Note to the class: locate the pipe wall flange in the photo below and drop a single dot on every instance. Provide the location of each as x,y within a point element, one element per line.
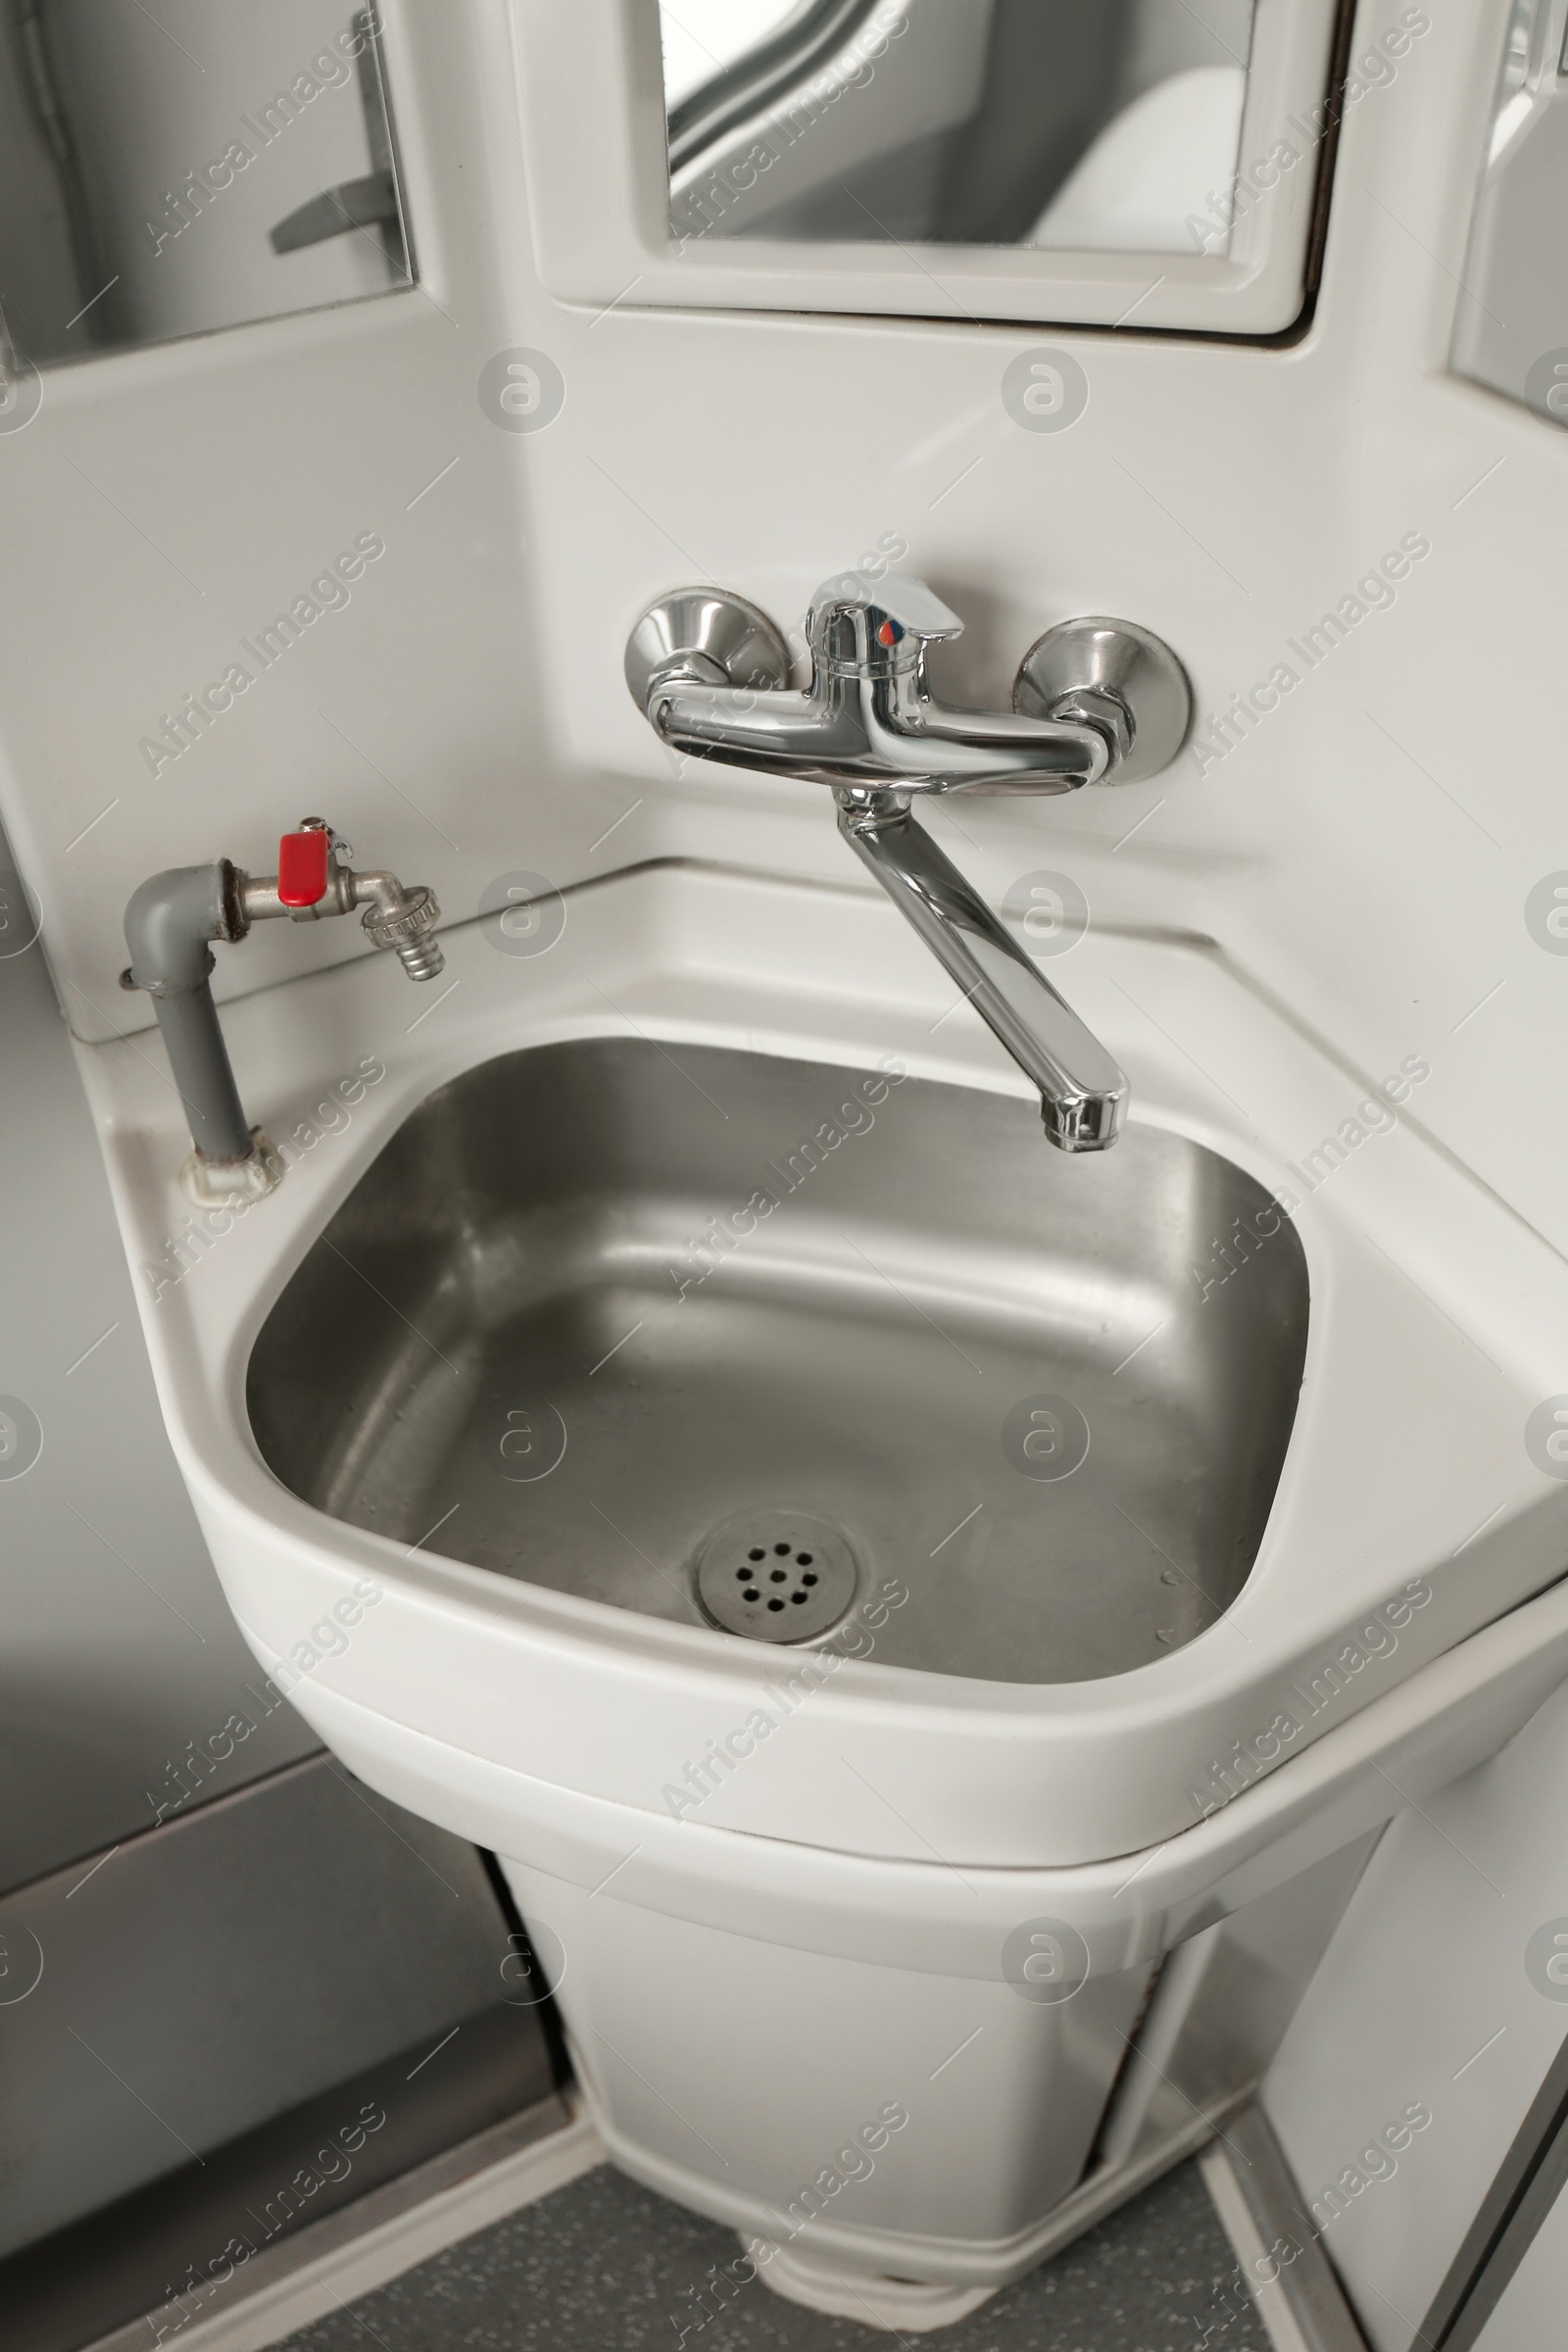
<point>1078,662</point>
<point>707,634</point>
<point>233,1182</point>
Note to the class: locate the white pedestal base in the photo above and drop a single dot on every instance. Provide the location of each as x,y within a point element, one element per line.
<point>902,2306</point>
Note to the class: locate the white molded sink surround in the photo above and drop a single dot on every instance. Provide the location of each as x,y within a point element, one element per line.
<point>1435,1330</point>
<point>863,1873</point>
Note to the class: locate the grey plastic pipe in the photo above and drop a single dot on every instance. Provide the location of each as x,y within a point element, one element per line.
<point>169,923</point>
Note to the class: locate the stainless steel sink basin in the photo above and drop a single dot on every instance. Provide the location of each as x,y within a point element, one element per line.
<point>606,1314</point>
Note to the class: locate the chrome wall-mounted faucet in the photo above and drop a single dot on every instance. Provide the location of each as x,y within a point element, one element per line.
<point>1095,702</point>
<point>169,923</point>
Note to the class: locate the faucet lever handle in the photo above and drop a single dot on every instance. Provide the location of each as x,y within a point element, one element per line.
<point>906,600</point>
<point>302,866</point>
<point>860,616</point>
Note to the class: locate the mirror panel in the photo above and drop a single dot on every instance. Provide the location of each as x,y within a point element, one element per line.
<point>166,171</point>
<point>1511,326</point>
<point>1020,122</point>
<point>703,37</point>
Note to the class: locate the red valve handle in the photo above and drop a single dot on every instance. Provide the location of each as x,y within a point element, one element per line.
<point>302,867</point>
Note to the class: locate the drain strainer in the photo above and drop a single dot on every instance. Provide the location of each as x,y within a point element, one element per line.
<point>776,1575</point>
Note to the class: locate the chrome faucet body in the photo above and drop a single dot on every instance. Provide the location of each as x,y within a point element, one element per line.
<point>1095,702</point>
<point>170,925</point>
<point>869,716</point>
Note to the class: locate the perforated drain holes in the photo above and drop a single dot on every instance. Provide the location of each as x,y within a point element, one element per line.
<point>777,1574</point>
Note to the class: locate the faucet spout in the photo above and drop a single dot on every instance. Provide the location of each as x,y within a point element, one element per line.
<point>1083,1091</point>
